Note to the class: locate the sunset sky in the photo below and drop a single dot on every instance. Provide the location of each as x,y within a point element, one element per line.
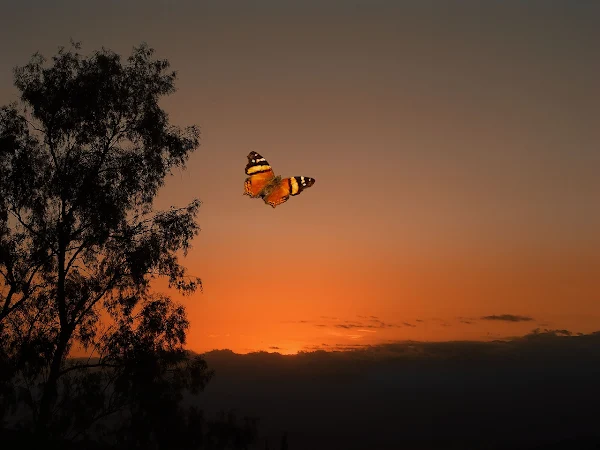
<point>455,147</point>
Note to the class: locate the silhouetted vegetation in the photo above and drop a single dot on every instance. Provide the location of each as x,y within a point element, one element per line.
<point>82,157</point>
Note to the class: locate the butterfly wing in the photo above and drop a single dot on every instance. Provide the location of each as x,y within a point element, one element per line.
<point>261,174</point>
<point>287,187</point>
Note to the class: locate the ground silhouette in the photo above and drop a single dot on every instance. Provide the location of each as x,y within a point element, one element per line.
<point>539,391</point>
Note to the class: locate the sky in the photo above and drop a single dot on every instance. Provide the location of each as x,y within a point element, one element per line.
<point>455,148</point>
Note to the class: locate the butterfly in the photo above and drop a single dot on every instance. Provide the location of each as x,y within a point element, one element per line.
<point>263,183</point>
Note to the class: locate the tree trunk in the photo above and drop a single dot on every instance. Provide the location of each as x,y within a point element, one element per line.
<point>51,387</point>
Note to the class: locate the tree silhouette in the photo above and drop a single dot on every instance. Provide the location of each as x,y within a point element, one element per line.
<point>82,156</point>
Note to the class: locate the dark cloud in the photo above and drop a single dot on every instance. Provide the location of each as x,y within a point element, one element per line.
<point>381,324</point>
<point>419,320</point>
<point>366,322</point>
<point>349,326</point>
<point>500,349</point>
<point>313,348</point>
<point>562,343</point>
<point>467,320</point>
<point>508,318</point>
<point>352,346</point>
<point>369,324</point>
<point>563,332</point>
<point>274,348</point>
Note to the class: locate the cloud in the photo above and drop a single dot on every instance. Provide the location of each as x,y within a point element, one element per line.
<point>467,320</point>
<point>274,348</point>
<point>547,345</point>
<point>546,331</point>
<point>352,346</point>
<point>371,323</point>
<point>348,326</point>
<point>508,318</point>
<point>366,324</point>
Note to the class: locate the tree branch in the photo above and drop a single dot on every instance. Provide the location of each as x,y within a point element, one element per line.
<point>5,307</point>
<point>28,227</point>
<point>87,366</point>
<point>74,257</point>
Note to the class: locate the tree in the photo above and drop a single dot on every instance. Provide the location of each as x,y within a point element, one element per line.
<point>82,157</point>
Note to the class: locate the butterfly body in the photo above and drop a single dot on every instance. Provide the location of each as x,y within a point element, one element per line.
<point>263,183</point>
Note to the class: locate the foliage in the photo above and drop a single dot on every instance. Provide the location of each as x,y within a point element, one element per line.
<point>82,157</point>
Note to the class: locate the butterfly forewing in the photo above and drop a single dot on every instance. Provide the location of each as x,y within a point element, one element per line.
<point>261,174</point>
<point>298,184</point>
<point>257,164</point>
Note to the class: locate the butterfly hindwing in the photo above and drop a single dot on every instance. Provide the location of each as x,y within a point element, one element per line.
<point>286,188</point>
<point>261,175</point>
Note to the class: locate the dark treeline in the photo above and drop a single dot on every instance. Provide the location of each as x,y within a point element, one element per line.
<point>540,391</point>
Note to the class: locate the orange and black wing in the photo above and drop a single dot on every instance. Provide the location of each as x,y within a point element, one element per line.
<point>261,174</point>
<point>287,187</point>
